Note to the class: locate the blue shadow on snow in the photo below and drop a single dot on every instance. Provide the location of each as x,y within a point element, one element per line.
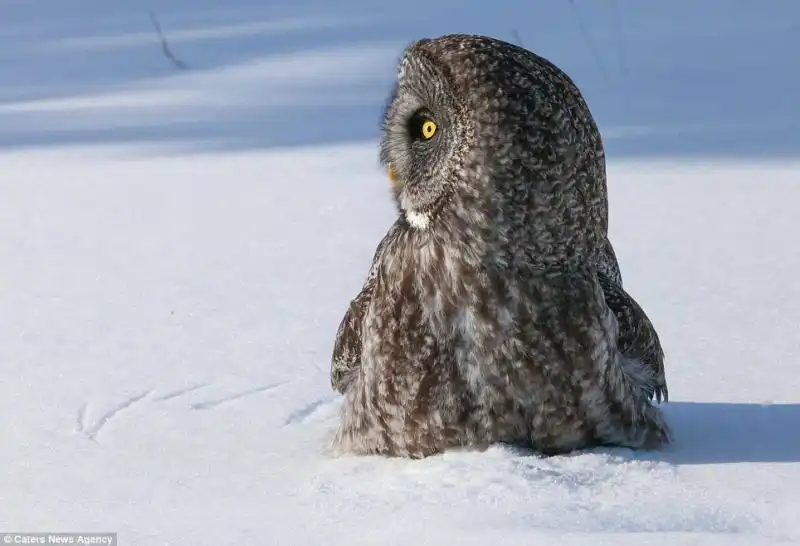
<point>681,78</point>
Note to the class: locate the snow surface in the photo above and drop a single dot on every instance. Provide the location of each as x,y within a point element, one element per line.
<point>178,248</point>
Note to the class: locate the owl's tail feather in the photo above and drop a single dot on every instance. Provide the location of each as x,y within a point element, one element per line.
<point>637,340</point>
<point>632,420</point>
<point>641,375</point>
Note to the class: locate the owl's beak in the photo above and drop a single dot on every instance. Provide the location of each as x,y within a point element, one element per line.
<point>392,175</point>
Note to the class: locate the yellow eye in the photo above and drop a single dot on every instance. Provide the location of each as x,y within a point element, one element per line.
<point>421,125</point>
<point>428,129</point>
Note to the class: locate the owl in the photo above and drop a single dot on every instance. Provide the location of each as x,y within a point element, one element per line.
<point>494,311</point>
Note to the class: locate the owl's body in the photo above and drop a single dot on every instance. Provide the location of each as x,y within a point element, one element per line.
<point>494,308</point>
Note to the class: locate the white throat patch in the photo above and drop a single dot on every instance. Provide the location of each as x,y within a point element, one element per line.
<point>418,220</point>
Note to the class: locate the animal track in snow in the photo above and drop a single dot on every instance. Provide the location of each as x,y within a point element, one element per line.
<point>180,392</point>
<point>219,401</point>
<point>91,430</point>
<point>306,413</point>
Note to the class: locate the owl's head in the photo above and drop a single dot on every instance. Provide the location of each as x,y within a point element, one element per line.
<point>423,130</point>
<point>478,126</point>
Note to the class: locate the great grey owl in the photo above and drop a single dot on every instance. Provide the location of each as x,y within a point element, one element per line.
<point>494,310</point>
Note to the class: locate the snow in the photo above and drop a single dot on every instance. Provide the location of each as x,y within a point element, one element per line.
<point>178,248</point>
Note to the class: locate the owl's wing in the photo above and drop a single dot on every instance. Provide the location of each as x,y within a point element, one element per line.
<point>346,358</point>
<point>608,263</point>
<point>637,337</point>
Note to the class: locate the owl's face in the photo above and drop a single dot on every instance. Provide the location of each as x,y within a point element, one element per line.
<point>421,132</point>
<point>495,143</point>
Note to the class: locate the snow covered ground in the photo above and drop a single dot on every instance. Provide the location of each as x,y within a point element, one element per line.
<point>178,247</point>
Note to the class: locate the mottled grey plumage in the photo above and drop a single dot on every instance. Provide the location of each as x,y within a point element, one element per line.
<point>494,309</point>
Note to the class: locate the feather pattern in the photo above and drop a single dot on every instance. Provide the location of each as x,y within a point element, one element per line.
<point>501,317</point>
